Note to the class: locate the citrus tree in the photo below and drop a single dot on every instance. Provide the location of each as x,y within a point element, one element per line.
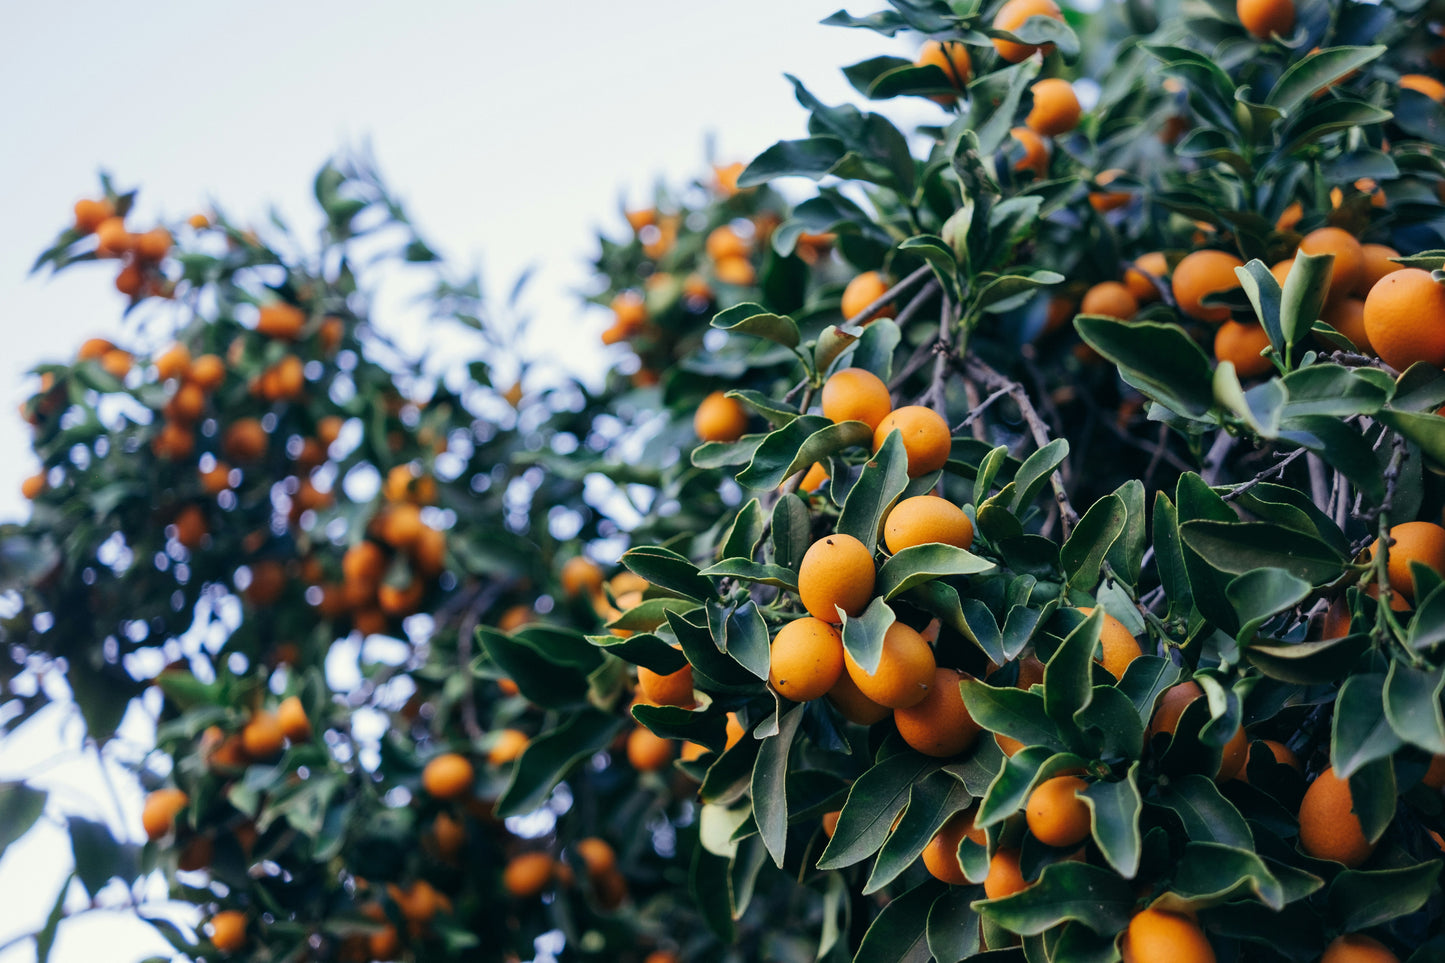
<point>1032,537</point>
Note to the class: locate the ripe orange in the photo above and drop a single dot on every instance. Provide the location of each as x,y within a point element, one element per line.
<point>940,725</point>
<point>862,291</point>
<point>926,518</point>
<point>581,574</point>
<point>1420,83</point>
<point>292,717</point>
<point>1056,107</point>
<point>116,363</point>
<point>1265,17</point>
<point>905,672</point>
<point>1347,316</point>
<point>1013,15</point>
<point>228,931</point>
<point>830,822</point>
<point>1405,318</point>
<point>1233,756</point>
<point>1140,277</point>
<point>1036,152</point>
<point>245,440</point>
<point>813,478</point>
<point>853,705</point>
<point>735,270</point>
<point>33,486</point>
<point>1171,706</point>
<point>1240,344</point>
<point>1155,936</point>
<point>1422,542</point>
<point>280,320</point>
<point>158,815</point>
<point>720,418</point>
<point>1004,876</point>
<point>92,349</point>
<point>188,404</point>
<point>1111,299</point>
<point>262,737</point>
<point>724,242</point>
<point>673,689</point>
<point>806,659</point>
<point>1377,265</point>
<point>855,394</point>
<point>510,744</point>
<point>1358,948</point>
<point>527,874</point>
<point>1282,754</point>
<point>1289,217</point>
<point>190,524</point>
<point>112,238</point>
<point>596,855</point>
<point>926,437</point>
<point>1055,814</point>
<point>952,58</point>
<point>363,563</point>
<point>89,214</point>
<point>1349,264</point>
<point>268,582</point>
<point>153,245</point>
<point>940,856</point>
<point>448,776</point>
<point>647,751</point>
<point>836,572</point>
<point>1328,826</point>
<point>128,281</point>
<point>1116,643</point>
<point>207,372</point>
<point>1203,273</point>
<point>1105,201</point>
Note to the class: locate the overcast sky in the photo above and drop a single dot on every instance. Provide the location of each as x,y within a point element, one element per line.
<point>510,129</point>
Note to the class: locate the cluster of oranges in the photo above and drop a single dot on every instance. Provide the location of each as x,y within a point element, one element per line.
<point>140,254</point>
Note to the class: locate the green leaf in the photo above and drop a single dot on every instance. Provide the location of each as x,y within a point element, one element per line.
<point>758,321</point>
<point>831,345</point>
<point>20,807</point>
<point>642,648</point>
<point>650,613</point>
<point>1239,547</point>
<point>876,345</point>
<point>1361,732</point>
<point>99,856</point>
<point>953,924</point>
<point>884,478</point>
<point>1126,555</point>
<point>792,531</point>
<point>1033,474</point>
<point>1263,292</point>
<point>1083,553</point>
<point>750,571</point>
<point>1262,594</point>
<point>1375,797</point>
<point>1308,663</point>
<point>1012,712</point>
<point>923,563</point>
<point>536,669</point>
<point>873,800</point>
<point>1305,288</point>
<point>45,939</point>
<point>930,803</point>
<point>1413,706</point>
<point>863,636</point>
<point>940,257</point>
<point>795,446</point>
<point>1207,816</point>
<point>1168,552</point>
<point>1212,873</point>
<point>776,412</point>
<point>745,532</point>
<point>770,772</point>
<point>1359,899</point>
<point>1090,895</point>
<point>1160,359</point>
<point>812,157</point>
<point>1114,808</point>
<point>550,756</point>
<point>1013,290</point>
<point>1326,116</point>
<point>668,570</point>
<point>1066,675</point>
<point>1316,71</point>
<point>899,933</point>
<point>746,638</point>
<point>1331,389</point>
<point>725,454</point>
<point>1425,429</point>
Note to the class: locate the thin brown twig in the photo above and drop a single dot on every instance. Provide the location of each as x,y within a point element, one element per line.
<point>889,295</point>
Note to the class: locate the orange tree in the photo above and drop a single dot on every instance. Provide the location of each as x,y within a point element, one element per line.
<point>974,632</point>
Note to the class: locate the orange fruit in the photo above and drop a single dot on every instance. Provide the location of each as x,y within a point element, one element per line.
<point>510,744</point>
<point>926,437</point>
<point>1203,273</point>
<point>92,349</point>
<point>724,242</point>
<point>262,737</point>
<point>1289,217</point>
<point>1155,936</point>
<point>1138,277</point>
<point>814,477</point>
<point>853,705</point>
<point>528,874</point>
<point>1265,17</point>
<point>158,815</point>
<point>806,659</point>
<point>1116,642</point>
<point>830,822</point>
<point>34,486</point>
<point>1233,756</point>
<point>940,725</point>
<point>128,281</point>
<point>673,689</point>
<point>905,671</point>
<point>862,291</point>
<point>448,776</point>
<point>245,440</point>
<point>1240,344</point>
<point>89,213</point>
<point>1055,814</point>
<point>596,855</point>
<point>580,574</point>
<point>1105,201</point>
<point>836,572</point>
<point>188,404</point>
<point>1328,826</point>
<point>1004,876</point>
<point>647,751</point>
<point>1282,754</point>
<point>735,270</point>
<point>207,372</point>
<point>1434,777</point>
<point>364,563</point>
<point>940,856</point>
<point>1405,319</point>
<point>923,519</point>
<point>1347,316</point>
<point>1111,299</point>
<point>190,525</point>
<point>1357,948</point>
<point>854,394</point>
<point>1171,706</point>
<point>952,58</point>
<point>112,238</point>
<point>280,320</point>
<point>1056,107</point>
<point>1013,15</point>
<point>1422,542</point>
<point>720,418</point>
<point>383,944</point>
<point>734,730</point>
<point>268,582</point>
<point>228,930</point>
<point>173,362</point>
<point>1420,83</point>
<point>116,363</point>
<point>1349,264</point>
<point>1377,265</point>
<point>1036,152</point>
<point>153,245</point>
<point>292,717</point>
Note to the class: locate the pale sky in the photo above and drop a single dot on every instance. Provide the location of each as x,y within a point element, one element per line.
<point>509,128</point>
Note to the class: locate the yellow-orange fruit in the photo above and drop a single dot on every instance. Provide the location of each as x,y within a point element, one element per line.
<point>862,291</point>
<point>1105,201</point>
<point>580,574</point>
<point>950,57</point>
<point>1422,84</point>
<point>923,519</point>
<point>1036,153</point>
<point>510,744</point>
<point>1377,265</point>
<point>262,737</point>
<point>647,751</point>
<point>228,930</point>
<point>173,362</point>
<point>597,855</point>
<point>940,725</point>
<point>292,717</point>
<point>905,671</point>
<point>813,478</point>
<point>1265,17</point>
<point>1203,273</point>
<point>112,237</point>
<point>1056,107</point>
<point>1328,827</point>
<point>363,563</point>
<point>1111,299</point>
<point>190,525</point>
<point>1282,754</point>
<point>837,572</point>
<point>1138,277</point>
<point>1013,15</point>
<point>1240,344</point>
<point>33,486</point>
<point>940,856</point>
<point>806,659</point>
<point>153,245</point>
<point>280,320</point>
<point>734,730</point>
<point>855,394</point>
<point>1357,948</point>
<point>830,822</point>
<point>1155,936</point>
<point>735,270</point>
<point>449,835</point>
<point>1171,707</point>
<point>90,213</point>
<point>245,440</point>
<point>1349,264</point>
<point>672,689</point>
<point>724,242</point>
<point>1405,318</point>
<point>1056,816</point>
<point>158,815</point>
<point>720,418</point>
<point>854,706</point>
<point>208,372</point>
<point>527,874</point>
<point>116,363</point>
<point>448,776</point>
<point>383,944</point>
<point>926,437</point>
<point>1233,756</point>
<point>1116,643</point>
<point>1422,542</point>
<point>1004,875</point>
<point>1347,316</point>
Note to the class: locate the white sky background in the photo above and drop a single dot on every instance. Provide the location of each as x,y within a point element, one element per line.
<point>509,128</point>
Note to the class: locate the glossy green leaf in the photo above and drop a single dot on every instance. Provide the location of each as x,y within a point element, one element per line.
<point>795,446</point>
<point>1359,899</point>
<point>1012,712</point>
<point>811,157</point>
<point>1090,895</point>
<point>1305,288</point>
<point>883,480</point>
<point>792,531</point>
<point>931,802</point>
<point>1083,553</point>
<point>1114,808</point>
<point>1207,816</point>
<point>1316,71</point>
<point>770,800</point>
<point>863,635</point>
<point>1263,593</point>
<point>550,755</point>
<point>953,924</point>
<point>1239,547</point>
<point>1212,873</point>
<point>873,800</point>
<point>923,563</point>
<point>1034,473</point>
<point>747,570</point>
<point>899,933</point>
<point>669,570</point>
<point>754,319</point>
<point>1159,358</point>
